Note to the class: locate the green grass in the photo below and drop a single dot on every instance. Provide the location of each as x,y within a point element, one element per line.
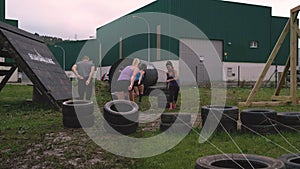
<point>24,125</point>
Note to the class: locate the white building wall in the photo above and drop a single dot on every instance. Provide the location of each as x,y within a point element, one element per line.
<point>248,71</point>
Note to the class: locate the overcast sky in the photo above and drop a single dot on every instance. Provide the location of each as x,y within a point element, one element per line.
<point>79,19</point>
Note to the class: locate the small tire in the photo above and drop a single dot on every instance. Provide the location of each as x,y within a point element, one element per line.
<point>83,122</point>
<point>175,127</point>
<point>223,161</point>
<point>73,108</point>
<point>170,118</point>
<point>261,129</point>
<point>288,128</point>
<point>123,129</point>
<point>289,118</point>
<point>228,120</point>
<point>291,161</point>
<point>229,112</point>
<point>258,116</point>
<point>121,112</point>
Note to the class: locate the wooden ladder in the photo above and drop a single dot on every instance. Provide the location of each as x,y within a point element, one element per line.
<point>6,73</point>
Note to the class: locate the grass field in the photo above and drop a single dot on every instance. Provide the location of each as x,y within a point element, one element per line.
<point>34,137</point>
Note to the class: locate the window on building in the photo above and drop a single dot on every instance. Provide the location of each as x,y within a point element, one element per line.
<point>230,72</point>
<point>254,44</point>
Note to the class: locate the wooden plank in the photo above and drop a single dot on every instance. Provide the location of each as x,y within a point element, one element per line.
<point>296,9</point>
<point>6,78</point>
<point>7,64</point>
<point>262,104</point>
<point>5,54</point>
<point>282,78</point>
<point>282,98</point>
<point>4,72</point>
<point>293,61</point>
<point>269,62</point>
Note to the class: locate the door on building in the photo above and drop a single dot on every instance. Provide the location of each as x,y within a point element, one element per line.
<point>199,56</point>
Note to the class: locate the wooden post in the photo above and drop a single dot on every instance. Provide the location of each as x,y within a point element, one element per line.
<point>282,78</point>
<point>293,59</point>
<point>269,63</point>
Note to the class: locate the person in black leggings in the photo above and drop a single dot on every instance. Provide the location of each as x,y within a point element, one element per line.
<point>172,84</point>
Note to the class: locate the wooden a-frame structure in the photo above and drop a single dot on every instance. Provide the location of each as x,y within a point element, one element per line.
<point>292,27</point>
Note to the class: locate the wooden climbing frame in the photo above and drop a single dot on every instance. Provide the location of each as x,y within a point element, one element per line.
<point>292,27</point>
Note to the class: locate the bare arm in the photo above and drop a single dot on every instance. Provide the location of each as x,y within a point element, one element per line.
<point>91,75</point>
<point>135,71</point>
<point>175,77</point>
<point>74,69</point>
<point>141,77</point>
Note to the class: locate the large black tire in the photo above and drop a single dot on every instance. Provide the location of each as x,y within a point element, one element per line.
<point>289,118</point>
<point>229,112</point>
<point>258,116</point>
<point>291,161</point>
<point>73,108</point>
<point>261,129</point>
<point>176,127</point>
<point>123,129</point>
<point>119,64</point>
<point>228,120</point>
<point>237,161</point>
<point>121,112</point>
<point>170,118</point>
<point>151,76</point>
<point>82,122</point>
<point>288,128</point>
<point>78,113</point>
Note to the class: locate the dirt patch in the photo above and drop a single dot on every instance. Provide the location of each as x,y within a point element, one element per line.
<point>70,148</point>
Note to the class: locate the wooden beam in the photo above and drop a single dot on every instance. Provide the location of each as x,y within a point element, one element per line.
<point>296,9</point>
<point>282,98</point>
<point>262,104</point>
<point>269,62</point>
<point>293,60</point>
<point>282,78</point>
<point>7,64</point>
<point>6,78</point>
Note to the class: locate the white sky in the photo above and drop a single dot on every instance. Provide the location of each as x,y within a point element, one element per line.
<point>80,18</point>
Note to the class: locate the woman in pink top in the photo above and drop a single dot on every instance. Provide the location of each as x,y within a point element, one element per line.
<point>126,79</point>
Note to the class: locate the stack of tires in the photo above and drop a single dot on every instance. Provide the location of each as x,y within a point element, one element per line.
<point>78,113</point>
<point>291,161</point>
<point>262,121</point>
<point>121,116</point>
<point>223,161</point>
<point>228,116</point>
<point>176,122</point>
<point>288,121</point>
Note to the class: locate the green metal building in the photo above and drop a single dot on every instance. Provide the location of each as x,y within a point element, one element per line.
<point>67,53</point>
<point>241,33</point>
<point>235,24</point>
<point>2,15</point>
